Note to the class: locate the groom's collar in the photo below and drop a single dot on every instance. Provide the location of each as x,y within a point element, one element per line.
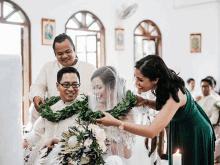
<point>68,103</point>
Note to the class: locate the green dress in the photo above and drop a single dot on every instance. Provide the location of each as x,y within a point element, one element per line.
<point>192,133</point>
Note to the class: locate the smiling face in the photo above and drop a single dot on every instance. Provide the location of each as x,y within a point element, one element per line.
<point>143,83</point>
<point>68,94</point>
<point>99,90</point>
<point>64,53</point>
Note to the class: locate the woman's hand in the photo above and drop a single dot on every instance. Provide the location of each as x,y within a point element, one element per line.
<point>50,143</point>
<point>141,101</point>
<point>109,120</point>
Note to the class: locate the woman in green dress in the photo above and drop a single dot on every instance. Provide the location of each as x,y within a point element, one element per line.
<point>190,129</point>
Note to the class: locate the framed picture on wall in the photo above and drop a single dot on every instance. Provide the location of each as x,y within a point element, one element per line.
<point>119,39</point>
<point>195,43</point>
<point>48,31</point>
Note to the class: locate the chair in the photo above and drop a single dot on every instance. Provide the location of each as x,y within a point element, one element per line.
<point>217,147</point>
<point>161,145</point>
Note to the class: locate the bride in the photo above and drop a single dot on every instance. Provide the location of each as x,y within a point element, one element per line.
<point>108,89</point>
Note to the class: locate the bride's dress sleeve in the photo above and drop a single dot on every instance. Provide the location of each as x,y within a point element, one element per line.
<point>128,139</point>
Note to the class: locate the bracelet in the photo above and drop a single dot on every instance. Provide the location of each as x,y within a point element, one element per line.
<point>121,127</point>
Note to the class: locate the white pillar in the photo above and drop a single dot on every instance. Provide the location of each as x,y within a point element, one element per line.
<point>10,110</point>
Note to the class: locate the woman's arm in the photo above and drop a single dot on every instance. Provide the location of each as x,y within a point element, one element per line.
<point>146,102</point>
<point>159,123</point>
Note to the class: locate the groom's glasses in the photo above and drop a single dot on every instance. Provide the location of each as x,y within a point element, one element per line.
<point>74,85</point>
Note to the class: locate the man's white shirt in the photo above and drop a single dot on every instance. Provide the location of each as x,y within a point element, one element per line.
<point>45,130</point>
<point>216,95</point>
<point>207,104</point>
<point>47,78</point>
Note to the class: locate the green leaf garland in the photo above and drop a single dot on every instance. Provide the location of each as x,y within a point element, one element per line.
<point>82,109</point>
<point>217,106</point>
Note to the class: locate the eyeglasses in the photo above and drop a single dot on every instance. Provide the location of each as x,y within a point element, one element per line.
<point>74,85</point>
<point>205,87</point>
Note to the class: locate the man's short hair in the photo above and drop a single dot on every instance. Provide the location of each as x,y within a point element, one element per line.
<point>62,37</point>
<point>210,77</point>
<point>207,80</point>
<point>66,70</point>
<point>189,80</point>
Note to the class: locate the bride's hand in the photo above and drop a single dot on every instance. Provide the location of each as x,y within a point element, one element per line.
<point>50,143</point>
<point>108,120</point>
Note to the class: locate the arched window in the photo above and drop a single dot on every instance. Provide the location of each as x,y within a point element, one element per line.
<point>15,39</point>
<point>147,40</point>
<point>88,33</point>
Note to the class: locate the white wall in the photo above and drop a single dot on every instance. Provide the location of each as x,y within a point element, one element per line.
<point>176,20</point>
<point>176,25</point>
<point>186,3</point>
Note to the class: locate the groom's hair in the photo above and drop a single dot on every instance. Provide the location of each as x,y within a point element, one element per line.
<point>62,37</point>
<point>66,70</point>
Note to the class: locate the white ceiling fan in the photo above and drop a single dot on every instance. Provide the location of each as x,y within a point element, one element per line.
<point>126,12</point>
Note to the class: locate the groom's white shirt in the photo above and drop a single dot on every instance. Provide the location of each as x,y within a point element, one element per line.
<point>44,129</point>
<point>45,83</point>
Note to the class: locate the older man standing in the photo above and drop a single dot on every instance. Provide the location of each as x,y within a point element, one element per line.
<point>207,101</point>
<point>44,85</point>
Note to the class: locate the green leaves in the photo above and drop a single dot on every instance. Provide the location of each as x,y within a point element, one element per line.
<point>127,104</point>
<point>84,112</point>
<point>216,105</point>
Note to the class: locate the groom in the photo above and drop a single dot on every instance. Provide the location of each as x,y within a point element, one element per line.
<point>68,83</point>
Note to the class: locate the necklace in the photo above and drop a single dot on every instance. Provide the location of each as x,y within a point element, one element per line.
<point>82,109</point>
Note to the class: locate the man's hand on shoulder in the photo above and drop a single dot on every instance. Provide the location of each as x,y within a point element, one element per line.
<point>37,101</point>
<point>198,98</point>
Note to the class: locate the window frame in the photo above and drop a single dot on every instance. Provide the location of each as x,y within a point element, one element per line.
<point>25,53</point>
<point>82,26</point>
<point>147,33</point>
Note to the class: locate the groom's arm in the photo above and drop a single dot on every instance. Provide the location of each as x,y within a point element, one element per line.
<point>35,135</point>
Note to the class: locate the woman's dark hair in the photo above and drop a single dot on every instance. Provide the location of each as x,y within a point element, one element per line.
<point>62,37</point>
<point>208,81</point>
<point>66,70</point>
<point>107,74</point>
<point>169,83</point>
